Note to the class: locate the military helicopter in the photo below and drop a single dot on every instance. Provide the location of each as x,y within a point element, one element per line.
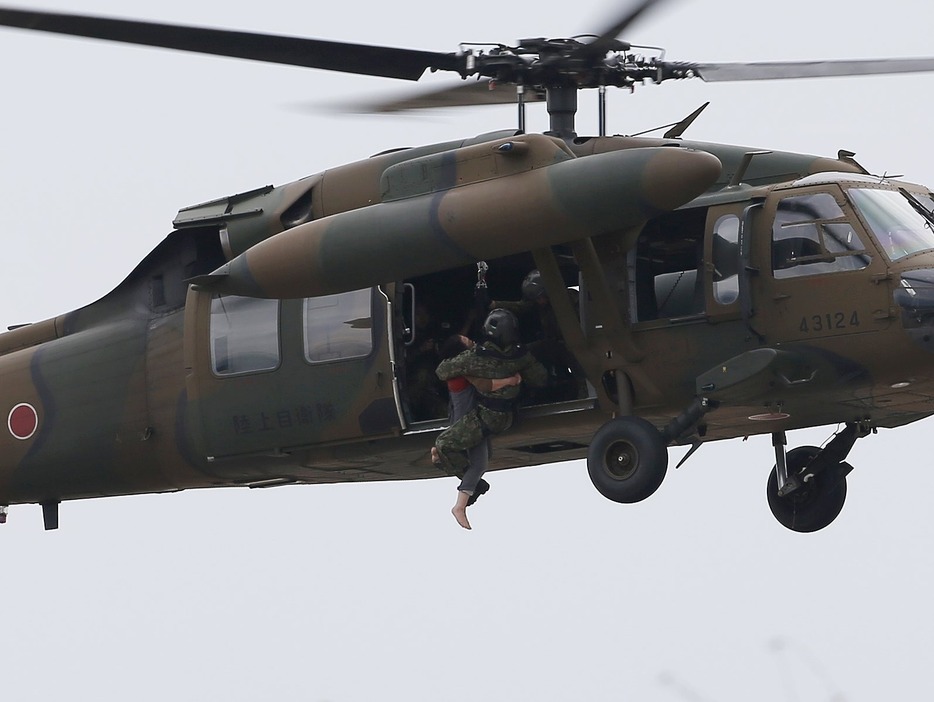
<point>273,337</point>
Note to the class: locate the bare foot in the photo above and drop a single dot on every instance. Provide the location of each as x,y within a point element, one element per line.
<point>460,514</point>
<point>435,456</point>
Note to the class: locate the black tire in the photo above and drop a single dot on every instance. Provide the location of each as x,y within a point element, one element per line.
<point>627,459</point>
<point>817,502</point>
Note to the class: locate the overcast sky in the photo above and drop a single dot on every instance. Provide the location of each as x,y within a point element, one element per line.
<point>354,593</point>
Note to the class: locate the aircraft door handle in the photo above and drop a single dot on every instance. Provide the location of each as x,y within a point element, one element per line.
<point>881,315</point>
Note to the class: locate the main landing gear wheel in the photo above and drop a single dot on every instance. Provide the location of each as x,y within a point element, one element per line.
<point>627,459</point>
<point>818,500</point>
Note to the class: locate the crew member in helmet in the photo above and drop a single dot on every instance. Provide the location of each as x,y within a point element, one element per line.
<point>534,300</point>
<point>566,377</point>
<point>499,356</point>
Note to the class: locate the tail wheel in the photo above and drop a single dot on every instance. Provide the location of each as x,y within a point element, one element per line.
<point>627,459</point>
<point>817,502</point>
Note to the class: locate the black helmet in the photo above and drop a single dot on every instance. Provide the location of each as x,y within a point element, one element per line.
<point>532,286</point>
<point>502,328</point>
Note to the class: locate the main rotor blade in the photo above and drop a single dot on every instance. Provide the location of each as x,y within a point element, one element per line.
<point>606,38</point>
<point>388,62</point>
<point>463,95</point>
<point>714,72</point>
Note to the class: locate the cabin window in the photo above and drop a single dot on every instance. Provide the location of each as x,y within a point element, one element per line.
<point>811,236</point>
<point>338,327</point>
<point>679,294</point>
<point>244,334</point>
<point>666,266</point>
<point>900,221</point>
<point>726,260</point>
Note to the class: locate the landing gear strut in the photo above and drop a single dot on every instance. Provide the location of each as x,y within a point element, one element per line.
<point>807,487</point>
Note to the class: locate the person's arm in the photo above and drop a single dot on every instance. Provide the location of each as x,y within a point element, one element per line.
<point>487,385</point>
<point>533,372</point>
<point>461,364</point>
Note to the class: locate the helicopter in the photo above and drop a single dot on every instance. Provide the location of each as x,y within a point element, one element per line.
<point>725,292</point>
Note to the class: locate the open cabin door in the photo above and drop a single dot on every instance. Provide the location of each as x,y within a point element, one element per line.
<point>268,376</point>
<point>431,308</point>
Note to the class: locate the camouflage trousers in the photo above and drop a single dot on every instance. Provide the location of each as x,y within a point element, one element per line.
<point>469,431</point>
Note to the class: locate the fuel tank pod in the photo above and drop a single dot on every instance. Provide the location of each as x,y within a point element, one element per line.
<point>467,205</point>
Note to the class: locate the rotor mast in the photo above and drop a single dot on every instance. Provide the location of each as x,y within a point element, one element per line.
<point>561,103</point>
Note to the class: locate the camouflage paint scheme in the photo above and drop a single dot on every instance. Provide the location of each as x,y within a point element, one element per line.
<point>270,339</point>
<point>118,397</point>
<point>434,214</point>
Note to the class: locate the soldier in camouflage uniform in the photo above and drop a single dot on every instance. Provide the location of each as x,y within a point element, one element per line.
<point>565,375</point>
<point>499,357</point>
<point>463,393</point>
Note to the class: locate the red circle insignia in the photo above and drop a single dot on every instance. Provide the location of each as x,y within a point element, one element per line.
<point>23,421</point>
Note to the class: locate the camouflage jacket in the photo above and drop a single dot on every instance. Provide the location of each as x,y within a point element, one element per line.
<point>550,329</point>
<point>488,361</point>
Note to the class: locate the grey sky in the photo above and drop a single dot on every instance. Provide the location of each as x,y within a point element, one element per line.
<point>352,593</point>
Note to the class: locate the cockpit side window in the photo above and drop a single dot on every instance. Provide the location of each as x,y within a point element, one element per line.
<point>811,236</point>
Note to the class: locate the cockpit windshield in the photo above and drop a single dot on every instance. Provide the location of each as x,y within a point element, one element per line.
<point>902,222</point>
